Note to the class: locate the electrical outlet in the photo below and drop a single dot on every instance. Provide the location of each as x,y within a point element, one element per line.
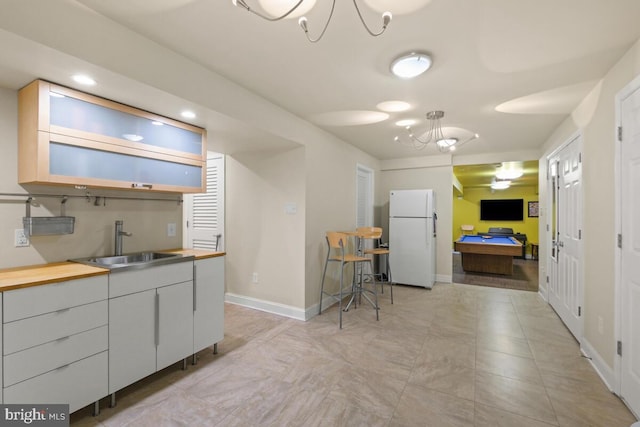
<point>254,278</point>
<point>21,239</point>
<point>171,229</point>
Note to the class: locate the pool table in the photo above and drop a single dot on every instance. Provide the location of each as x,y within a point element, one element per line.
<point>488,254</point>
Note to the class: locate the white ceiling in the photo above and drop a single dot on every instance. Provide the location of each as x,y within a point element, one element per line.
<point>510,70</point>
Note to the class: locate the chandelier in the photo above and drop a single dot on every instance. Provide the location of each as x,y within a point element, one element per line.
<point>433,135</point>
<point>303,22</point>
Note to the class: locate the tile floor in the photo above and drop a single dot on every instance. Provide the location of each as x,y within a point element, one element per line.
<point>457,355</point>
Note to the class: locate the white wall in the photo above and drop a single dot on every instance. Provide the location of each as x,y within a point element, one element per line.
<point>94,225</point>
<point>261,236</point>
<point>595,117</point>
<point>331,204</point>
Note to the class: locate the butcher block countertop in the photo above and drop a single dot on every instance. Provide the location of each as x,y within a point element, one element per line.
<point>43,274</point>
<point>35,275</point>
<point>198,253</point>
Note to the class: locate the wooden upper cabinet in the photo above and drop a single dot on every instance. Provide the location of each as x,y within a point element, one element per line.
<point>67,137</point>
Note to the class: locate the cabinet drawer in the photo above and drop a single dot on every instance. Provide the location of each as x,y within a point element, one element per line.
<point>27,302</point>
<point>132,281</point>
<point>77,384</point>
<point>33,331</point>
<point>43,358</point>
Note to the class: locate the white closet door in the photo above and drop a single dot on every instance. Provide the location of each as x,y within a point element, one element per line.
<point>204,212</point>
<point>630,257</point>
<point>566,294</point>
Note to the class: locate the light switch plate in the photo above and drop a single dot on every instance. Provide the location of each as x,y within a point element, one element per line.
<point>171,229</point>
<point>291,208</point>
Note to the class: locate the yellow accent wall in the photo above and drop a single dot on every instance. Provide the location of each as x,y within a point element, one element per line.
<point>466,210</point>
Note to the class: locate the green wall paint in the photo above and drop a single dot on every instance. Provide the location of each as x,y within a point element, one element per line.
<point>466,210</point>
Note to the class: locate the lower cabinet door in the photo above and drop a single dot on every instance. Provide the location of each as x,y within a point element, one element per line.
<point>132,336</point>
<point>208,320</point>
<point>175,323</point>
<point>78,384</point>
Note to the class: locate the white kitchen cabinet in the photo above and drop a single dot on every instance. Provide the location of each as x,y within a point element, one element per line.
<point>1,375</point>
<point>175,323</point>
<point>55,343</point>
<point>208,315</point>
<point>150,321</point>
<point>78,384</point>
<point>132,346</point>
<point>71,137</point>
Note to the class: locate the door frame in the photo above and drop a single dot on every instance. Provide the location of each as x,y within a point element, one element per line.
<point>631,87</point>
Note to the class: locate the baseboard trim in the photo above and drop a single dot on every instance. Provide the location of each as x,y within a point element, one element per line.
<point>444,278</point>
<point>269,307</point>
<point>603,370</point>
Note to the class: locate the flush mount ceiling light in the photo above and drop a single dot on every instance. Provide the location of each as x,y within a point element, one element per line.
<point>287,8</point>
<point>433,135</point>
<point>411,65</point>
<point>500,185</point>
<point>509,170</point>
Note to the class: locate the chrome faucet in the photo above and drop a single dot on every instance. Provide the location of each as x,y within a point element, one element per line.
<point>119,234</point>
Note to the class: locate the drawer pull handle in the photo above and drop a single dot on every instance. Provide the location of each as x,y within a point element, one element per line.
<point>63,338</point>
<point>63,366</point>
<point>62,310</point>
<point>141,185</point>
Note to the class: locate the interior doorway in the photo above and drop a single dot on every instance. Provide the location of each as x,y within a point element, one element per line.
<point>472,188</point>
<point>364,196</point>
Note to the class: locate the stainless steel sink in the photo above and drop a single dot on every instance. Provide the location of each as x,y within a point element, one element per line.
<point>134,260</point>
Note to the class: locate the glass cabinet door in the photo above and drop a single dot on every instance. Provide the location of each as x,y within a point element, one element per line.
<point>81,162</point>
<point>76,114</point>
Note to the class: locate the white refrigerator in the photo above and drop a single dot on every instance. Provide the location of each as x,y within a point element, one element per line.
<point>412,237</point>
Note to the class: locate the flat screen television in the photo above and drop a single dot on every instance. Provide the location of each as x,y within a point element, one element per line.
<point>502,210</point>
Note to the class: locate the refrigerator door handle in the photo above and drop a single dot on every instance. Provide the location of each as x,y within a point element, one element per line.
<point>435,220</point>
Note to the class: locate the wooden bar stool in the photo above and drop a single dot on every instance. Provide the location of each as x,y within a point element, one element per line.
<point>379,249</point>
<point>337,253</point>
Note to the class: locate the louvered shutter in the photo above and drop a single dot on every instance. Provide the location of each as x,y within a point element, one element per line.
<point>205,213</point>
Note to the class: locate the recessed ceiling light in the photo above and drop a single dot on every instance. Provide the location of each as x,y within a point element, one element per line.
<point>411,65</point>
<point>393,106</point>
<point>188,114</point>
<point>83,79</point>
<point>406,122</point>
